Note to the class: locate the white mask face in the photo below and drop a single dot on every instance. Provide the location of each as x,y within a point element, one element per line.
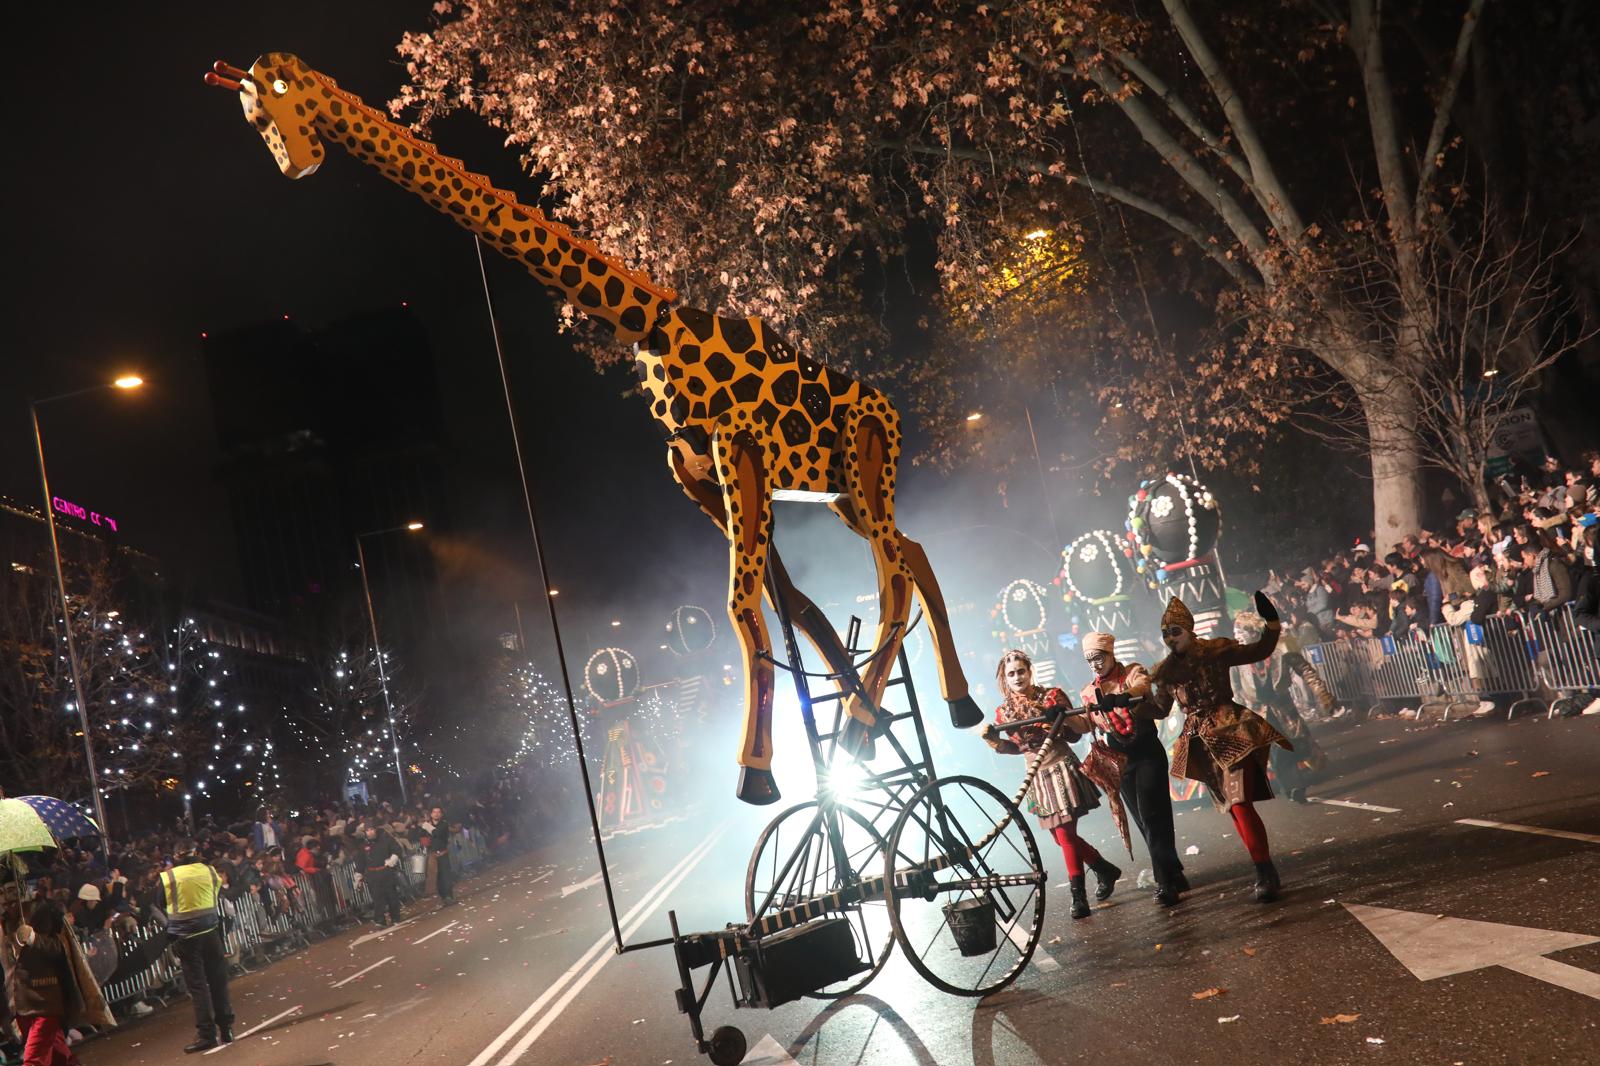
<point>1019,675</point>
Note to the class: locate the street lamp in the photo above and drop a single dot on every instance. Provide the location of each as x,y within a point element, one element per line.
<point>127,381</point>
<point>377,647</point>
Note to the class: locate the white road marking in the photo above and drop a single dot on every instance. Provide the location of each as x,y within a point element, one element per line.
<point>1432,946</point>
<point>358,973</point>
<point>1483,823</point>
<point>583,960</point>
<point>1040,959</point>
<point>436,932</point>
<point>256,1028</point>
<point>1353,805</point>
<point>567,890</point>
<point>768,1053</point>
<point>379,934</point>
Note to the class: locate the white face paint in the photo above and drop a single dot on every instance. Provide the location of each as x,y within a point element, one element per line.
<point>1018,675</point>
<point>1177,638</point>
<point>1100,662</point>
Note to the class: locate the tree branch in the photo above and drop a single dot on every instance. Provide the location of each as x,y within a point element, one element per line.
<point>1441,113</point>
<point>1185,114</point>
<point>1273,196</point>
<point>1207,243</point>
<point>1175,156</point>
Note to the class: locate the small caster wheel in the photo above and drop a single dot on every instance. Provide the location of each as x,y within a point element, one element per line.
<point>727,1046</point>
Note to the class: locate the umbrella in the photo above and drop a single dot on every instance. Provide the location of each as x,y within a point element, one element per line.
<point>29,823</point>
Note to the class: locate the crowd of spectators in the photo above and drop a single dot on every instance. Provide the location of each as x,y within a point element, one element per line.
<point>1533,551</point>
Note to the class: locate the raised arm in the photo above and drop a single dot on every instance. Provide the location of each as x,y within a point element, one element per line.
<point>1236,654</point>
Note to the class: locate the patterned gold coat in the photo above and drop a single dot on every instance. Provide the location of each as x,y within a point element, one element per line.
<point>1223,746</point>
<point>1061,791</point>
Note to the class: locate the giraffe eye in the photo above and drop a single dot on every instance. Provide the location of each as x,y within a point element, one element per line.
<point>280,87</point>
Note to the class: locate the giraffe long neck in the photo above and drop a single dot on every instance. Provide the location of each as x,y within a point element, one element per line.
<point>593,282</point>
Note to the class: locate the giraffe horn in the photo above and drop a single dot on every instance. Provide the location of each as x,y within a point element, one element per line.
<point>228,70</point>
<point>213,78</point>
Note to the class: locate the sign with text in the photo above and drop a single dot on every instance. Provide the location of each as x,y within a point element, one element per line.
<point>82,513</point>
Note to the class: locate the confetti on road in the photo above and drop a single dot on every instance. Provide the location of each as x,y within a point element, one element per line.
<point>1374,1039</point>
<point>1249,951</point>
<point>1340,1019</point>
<point>1541,773</point>
<point>1229,1018</point>
<point>1208,993</point>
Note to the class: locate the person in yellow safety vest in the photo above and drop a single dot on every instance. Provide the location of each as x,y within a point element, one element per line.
<point>192,891</point>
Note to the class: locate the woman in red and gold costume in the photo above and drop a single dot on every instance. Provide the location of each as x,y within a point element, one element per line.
<point>1128,759</point>
<point>1223,746</point>
<point>1061,791</point>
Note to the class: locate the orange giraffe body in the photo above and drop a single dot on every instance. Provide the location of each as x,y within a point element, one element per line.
<point>748,419</point>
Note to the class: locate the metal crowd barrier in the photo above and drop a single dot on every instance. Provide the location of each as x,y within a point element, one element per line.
<point>257,933</point>
<point>1534,657</point>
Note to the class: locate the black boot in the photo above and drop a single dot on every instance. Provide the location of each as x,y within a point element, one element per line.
<point>225,1033</point>
<point>1267,883</point>
<point>1167,895</point>
<point>1080,897</point>
<point>1105,877</point>
<point>1181,883</point>
<point>205,1043</point>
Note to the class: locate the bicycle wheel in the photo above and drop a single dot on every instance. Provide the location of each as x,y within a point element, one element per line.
<point>795,860</point>
<point>968,906</point>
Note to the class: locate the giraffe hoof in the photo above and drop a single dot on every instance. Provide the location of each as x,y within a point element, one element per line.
<point>856,739</point>
<point>757,786</point>
<point>965,713</point>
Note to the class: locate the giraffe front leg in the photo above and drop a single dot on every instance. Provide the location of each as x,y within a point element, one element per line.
<point>741,469</point>
<point>964,711</point>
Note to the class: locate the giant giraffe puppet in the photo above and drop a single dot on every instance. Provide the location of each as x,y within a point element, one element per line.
<point>747,419</point>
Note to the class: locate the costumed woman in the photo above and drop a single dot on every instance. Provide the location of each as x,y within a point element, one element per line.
<point>1223,745</point>
<point>1061,791</point>
<point>1269,686</point>
<point>1128,758</point>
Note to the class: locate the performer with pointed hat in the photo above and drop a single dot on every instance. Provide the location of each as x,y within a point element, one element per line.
<point>1128,760</point>
<point>1223,745</point>
<point>1061,792</point>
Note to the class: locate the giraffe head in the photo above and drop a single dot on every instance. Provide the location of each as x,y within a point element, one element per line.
<point>278,94</point>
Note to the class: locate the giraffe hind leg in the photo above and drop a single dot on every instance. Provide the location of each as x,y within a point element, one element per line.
<point>872,440</point>
<point>964,710</point>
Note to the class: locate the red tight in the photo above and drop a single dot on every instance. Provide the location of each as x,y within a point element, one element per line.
<point>1251,831</point>
<point>1077,850</point>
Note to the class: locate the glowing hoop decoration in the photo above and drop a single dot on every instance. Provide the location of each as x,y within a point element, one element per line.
<point>1092,568</point>
<point>690,631</point>
<point>1173,519</point>
<point>611,675</point>
<point>1021,609</point>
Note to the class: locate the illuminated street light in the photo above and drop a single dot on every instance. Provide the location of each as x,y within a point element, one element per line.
<point>975,416</point>
<point>615,622</point>
<point>377,647</point>
<point>1036,235</point>
<point>127,381</point>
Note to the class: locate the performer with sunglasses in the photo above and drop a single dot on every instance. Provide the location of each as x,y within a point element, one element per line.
<point>1223,745</point>
<point>1061,792</point>
<point>1130,761</point>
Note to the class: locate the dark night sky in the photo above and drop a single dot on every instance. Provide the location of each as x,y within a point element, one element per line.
<point>153,213</point>
<point>147,211</point>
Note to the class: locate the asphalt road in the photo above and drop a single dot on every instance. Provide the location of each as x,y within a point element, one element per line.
<point>521,970</point>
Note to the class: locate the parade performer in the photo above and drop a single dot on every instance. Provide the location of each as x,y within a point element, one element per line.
<point>1223,745</point>
<point>1061,791</point>
<point>1269,686</point>
<point>1128,759</point>
<point>380,863</point>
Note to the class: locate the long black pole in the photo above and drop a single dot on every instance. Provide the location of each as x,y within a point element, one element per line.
<point>550,601</point>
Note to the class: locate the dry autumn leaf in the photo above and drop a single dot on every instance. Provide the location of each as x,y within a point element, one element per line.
<point>1340,1019</point>
<point>1249,951</point>
<point>1541,773</point>
<point>1207,993</point>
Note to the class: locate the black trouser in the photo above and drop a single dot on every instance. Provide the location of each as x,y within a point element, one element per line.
<point>385,894</point>
<point>205,975</point>
<point>445,878</point>
<point>1145,795</point>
